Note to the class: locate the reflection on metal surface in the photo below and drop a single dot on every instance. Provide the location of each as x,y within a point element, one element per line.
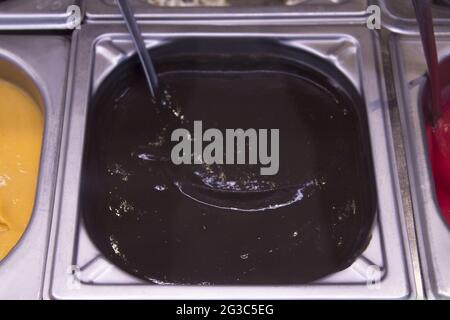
<point>238,3</point>
<point>148,9</point>
<point>40,14</point>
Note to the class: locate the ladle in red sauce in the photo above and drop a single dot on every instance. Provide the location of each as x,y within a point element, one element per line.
<point>439,150</point>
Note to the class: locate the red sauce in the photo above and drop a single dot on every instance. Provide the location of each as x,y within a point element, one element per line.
<point>439,151</point>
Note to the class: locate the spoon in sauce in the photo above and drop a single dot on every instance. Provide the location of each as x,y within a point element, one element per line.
<point>144,56</point>
<point>438,126</point>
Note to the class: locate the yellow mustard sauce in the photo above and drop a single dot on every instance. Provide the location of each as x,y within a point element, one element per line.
<point>21,129</point>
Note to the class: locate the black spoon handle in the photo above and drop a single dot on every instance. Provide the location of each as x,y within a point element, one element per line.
<point>425,20</point>
<point>144,56</point>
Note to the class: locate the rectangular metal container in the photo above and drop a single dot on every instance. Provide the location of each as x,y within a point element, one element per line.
<point>38,14</point>
<point>106,9</point>
<point>77,270</point>
<point>43,65</point>
<point>432,232</point>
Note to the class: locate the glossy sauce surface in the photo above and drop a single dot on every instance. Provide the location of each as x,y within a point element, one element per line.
<point>439,152</point>
<point>311,219</point>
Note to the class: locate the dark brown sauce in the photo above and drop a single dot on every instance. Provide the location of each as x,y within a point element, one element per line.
<point>140,219</point>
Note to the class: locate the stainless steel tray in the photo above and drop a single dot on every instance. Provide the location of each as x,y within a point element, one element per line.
<point>39,65</point>
<point>76,269</point>
<point>433,234</point>
<point>38,14</point>
<point>106,9</point>
<point>399,15</point>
